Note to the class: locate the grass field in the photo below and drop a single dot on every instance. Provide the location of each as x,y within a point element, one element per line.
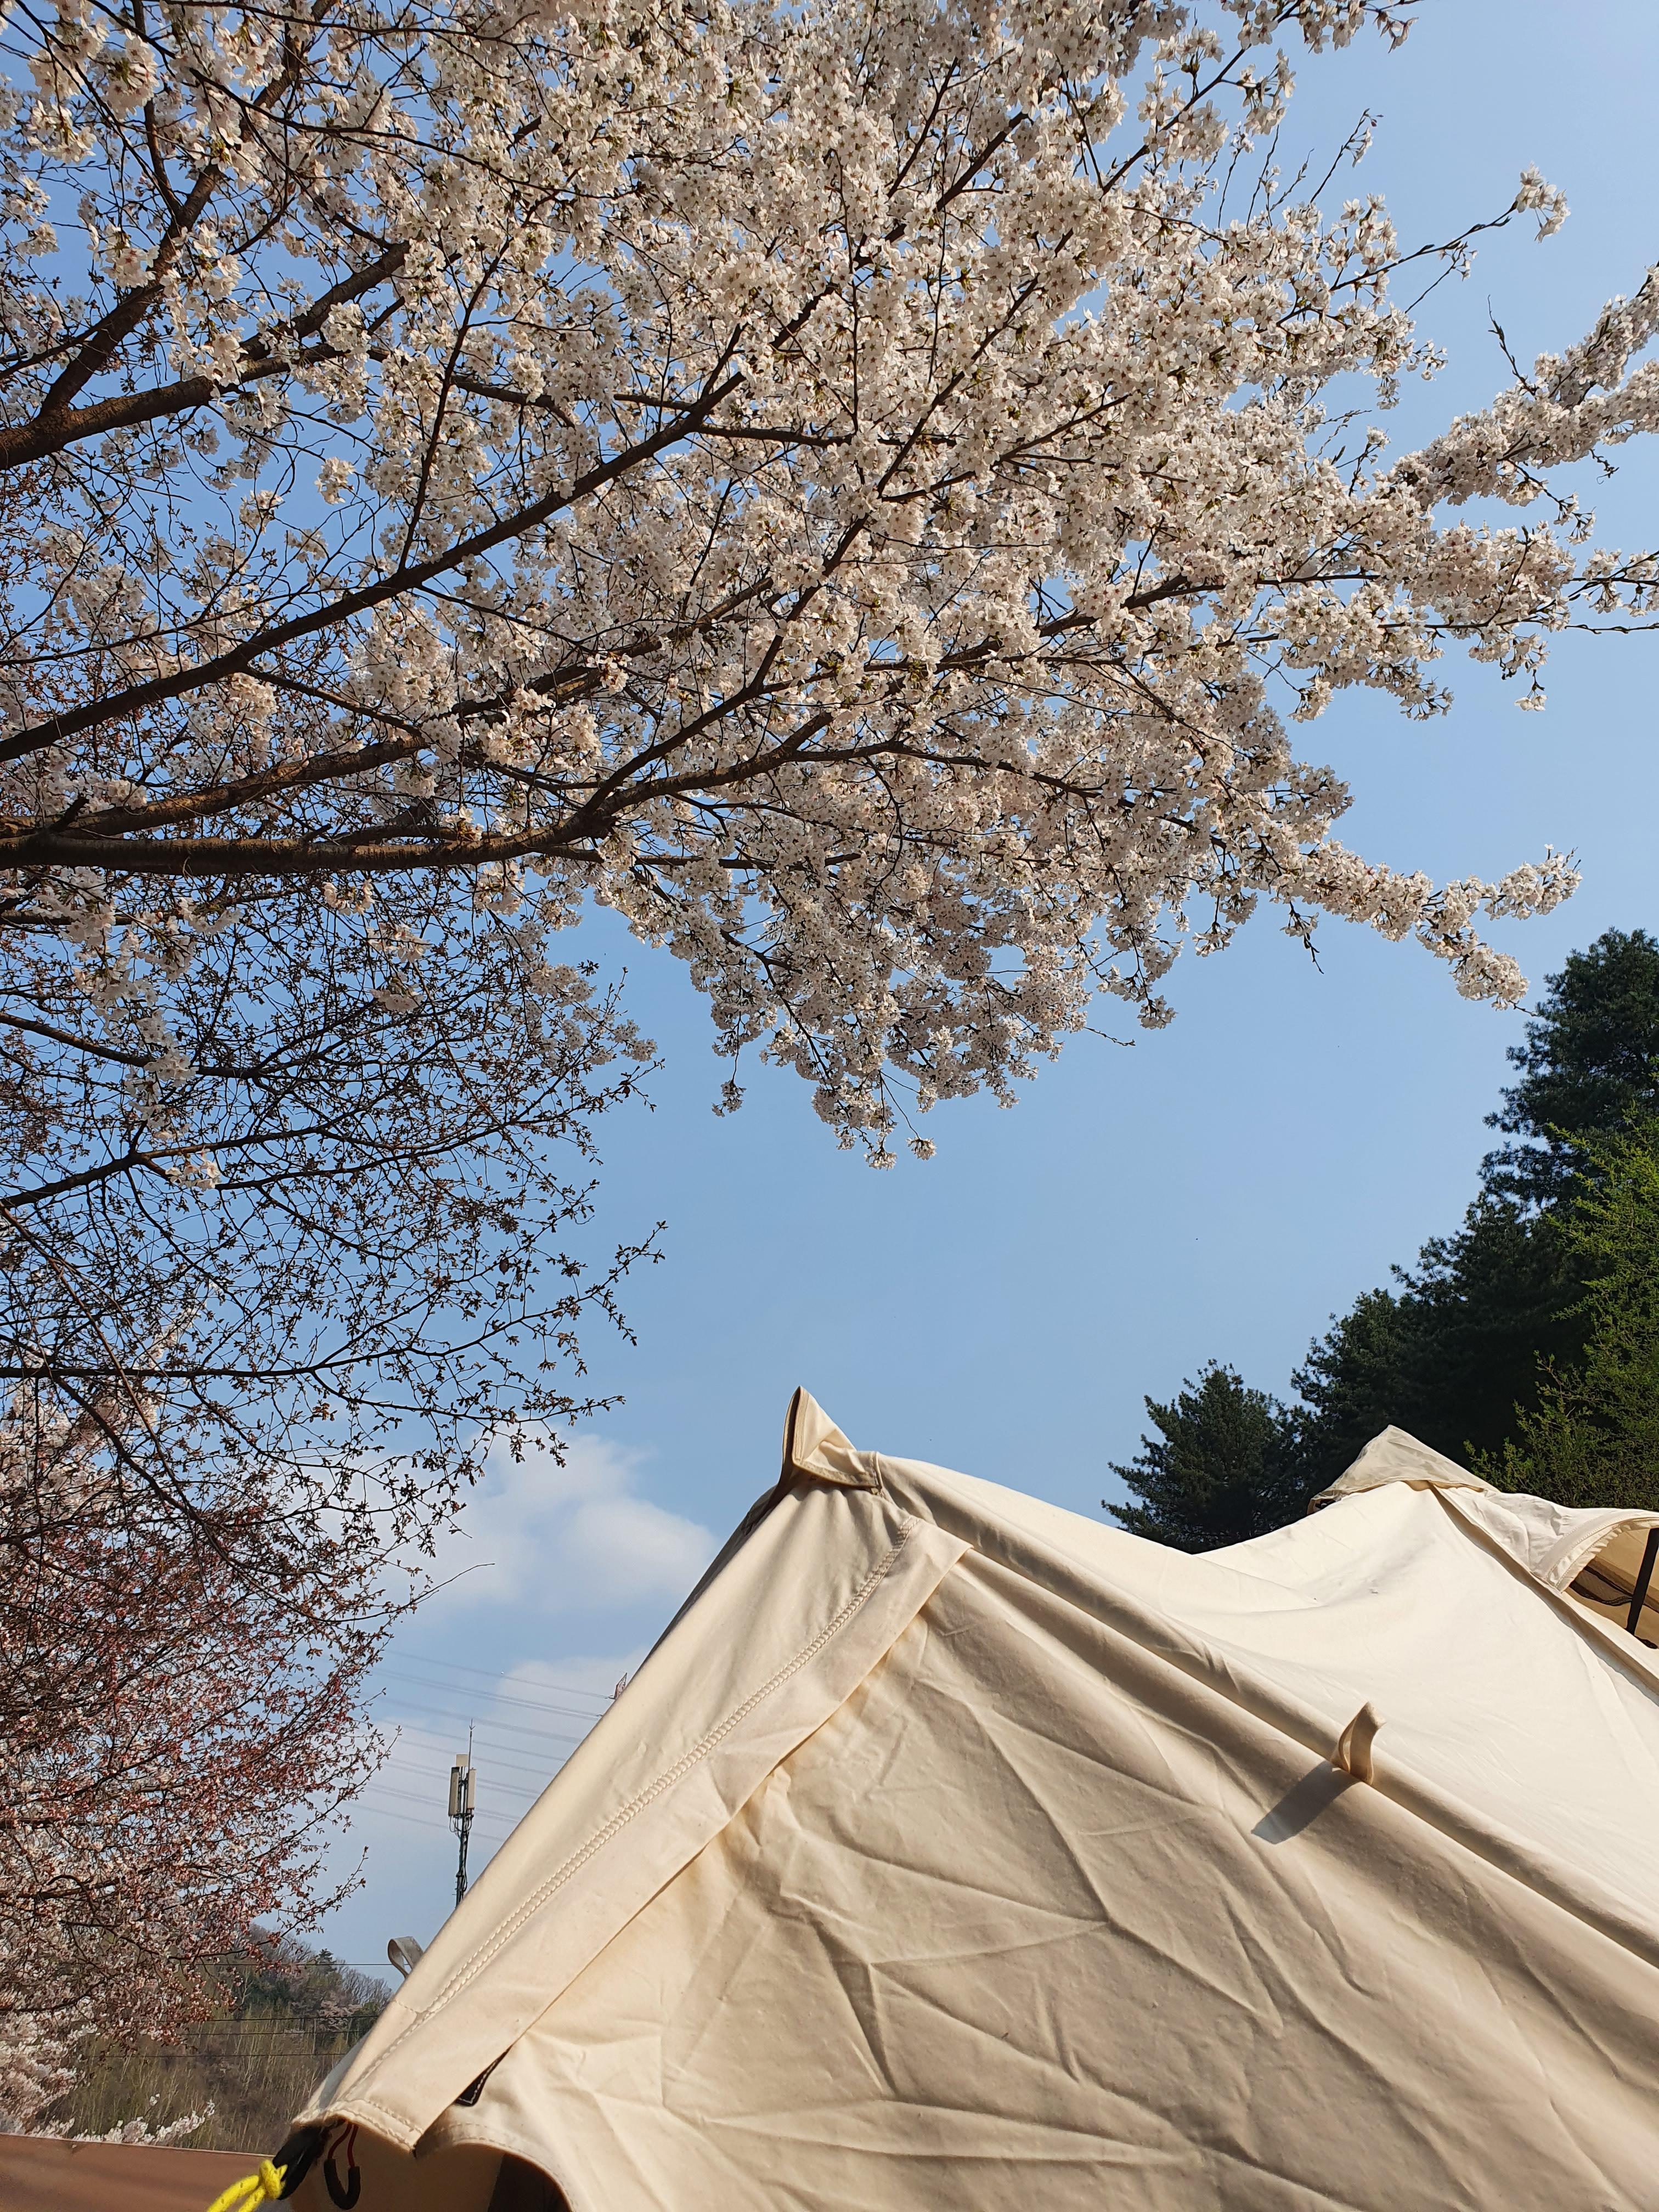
<point>254,2064</point>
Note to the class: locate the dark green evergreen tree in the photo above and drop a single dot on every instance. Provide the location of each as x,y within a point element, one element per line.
<point>1450,1352</point>
<point>1222,1467</point>
<point>1471,1341</point>
<point>1461,1345</point>
<point>1593,1437</point>
<point>1363,1373</point>
<point>1590,1060</point>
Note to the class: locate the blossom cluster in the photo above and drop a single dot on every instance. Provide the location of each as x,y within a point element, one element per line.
<point>853,487</point>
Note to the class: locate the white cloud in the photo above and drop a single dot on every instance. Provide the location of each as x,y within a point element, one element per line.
<point>570,1538</point>
<point>535,1542</point>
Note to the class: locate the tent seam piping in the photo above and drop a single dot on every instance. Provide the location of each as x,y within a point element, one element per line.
<point>681,1767</point>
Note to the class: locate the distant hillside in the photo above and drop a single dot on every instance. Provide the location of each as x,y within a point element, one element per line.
<point>286,2016</point>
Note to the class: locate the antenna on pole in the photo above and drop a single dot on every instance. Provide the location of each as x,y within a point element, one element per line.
<point>463,1802</point>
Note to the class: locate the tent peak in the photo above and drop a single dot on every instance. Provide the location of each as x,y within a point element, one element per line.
<point>814,1448</point>
<point>1396,1455</point>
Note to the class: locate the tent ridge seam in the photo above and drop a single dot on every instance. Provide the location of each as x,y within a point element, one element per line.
<point>1604,1636</point>
<point>681,1766</point>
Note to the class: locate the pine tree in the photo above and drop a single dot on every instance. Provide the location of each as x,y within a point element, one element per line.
<point>1492,1335</point>
<point>1593,1439</point>
<point>1451,1351</point>
<point>1463,1343</point>
<point>1222,1467</point>
<point>1590,1059</point>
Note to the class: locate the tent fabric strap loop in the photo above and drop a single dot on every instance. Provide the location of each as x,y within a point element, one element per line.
<point>1352,1755</point>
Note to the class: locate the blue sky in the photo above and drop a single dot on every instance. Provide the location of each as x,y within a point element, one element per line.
<point>1215,1190</point>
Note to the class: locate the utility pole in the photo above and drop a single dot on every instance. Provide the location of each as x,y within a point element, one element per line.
<point>463,1802</point>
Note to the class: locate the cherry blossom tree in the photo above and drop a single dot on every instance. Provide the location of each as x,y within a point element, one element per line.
<point>311,1244</point>
<point>161,1720</point>
<point>870,491</point>
<point>267,1286</point>
<point>853,487</point>
<point>265,1291</point>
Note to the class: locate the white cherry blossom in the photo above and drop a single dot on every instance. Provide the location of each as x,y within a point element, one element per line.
<point>854,488</point>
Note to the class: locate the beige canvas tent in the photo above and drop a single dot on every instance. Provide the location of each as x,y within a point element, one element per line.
<point>951,1851</point>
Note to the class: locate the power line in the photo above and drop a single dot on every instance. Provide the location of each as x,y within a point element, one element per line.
<point>402,1702</point>
<point>500,1735</point>
<point>494,1674</point>
<point>533,1685</point>
<point>420,1797</point>
<point>514,1732</point>
<point>504,1697</point>
<point>543,1775</point>
<point>435,1824</point>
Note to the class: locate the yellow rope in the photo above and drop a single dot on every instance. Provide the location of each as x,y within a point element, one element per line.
<point>261,2188</point>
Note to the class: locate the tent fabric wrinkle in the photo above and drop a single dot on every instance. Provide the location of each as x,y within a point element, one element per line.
<point>950,1847</point>
<point>709,1714</point>
<point>1597,1598</point>
<point>1553,1542</point>
<point>1396,1456</point>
